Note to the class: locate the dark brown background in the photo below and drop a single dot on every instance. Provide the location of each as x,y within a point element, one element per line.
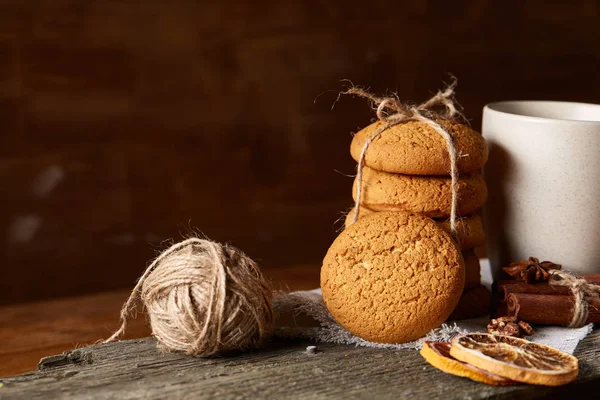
<point>123,124</point>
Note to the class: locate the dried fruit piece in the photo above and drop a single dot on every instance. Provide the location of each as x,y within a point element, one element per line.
<point>438,355</point>
<point>516,359</point>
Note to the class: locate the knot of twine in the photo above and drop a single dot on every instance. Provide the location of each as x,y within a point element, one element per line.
<point>202,298</point>
<point>392,112</point>
<point>580,289</point>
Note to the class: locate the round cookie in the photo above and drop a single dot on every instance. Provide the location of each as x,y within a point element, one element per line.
<point>427,195</point>
<point>472,270</point>
<point>392,277</point>
<point>362,212</point>
<point>415,148</point>
<point>469,229</point>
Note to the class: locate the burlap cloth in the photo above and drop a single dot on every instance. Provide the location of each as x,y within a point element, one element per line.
<point>304,315</point>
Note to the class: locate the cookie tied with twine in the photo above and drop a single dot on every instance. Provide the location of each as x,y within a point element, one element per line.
<point>392,112</point>
<point>202,298</point>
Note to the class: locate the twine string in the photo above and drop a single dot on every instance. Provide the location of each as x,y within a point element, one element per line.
<point>580,289</point>
<point>392,112</point>
<point>129,305</point>
<point>202,297</point>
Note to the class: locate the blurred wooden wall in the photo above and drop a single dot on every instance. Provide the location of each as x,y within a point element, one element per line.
<point>125,123</point>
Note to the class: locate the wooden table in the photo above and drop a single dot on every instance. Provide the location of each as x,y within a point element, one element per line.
<point>134,368</point>
<point>31,331</point>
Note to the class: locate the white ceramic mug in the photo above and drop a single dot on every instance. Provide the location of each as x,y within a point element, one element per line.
<point>543,176</point>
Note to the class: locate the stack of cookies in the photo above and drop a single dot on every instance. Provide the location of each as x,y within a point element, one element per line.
<point>407,168</point>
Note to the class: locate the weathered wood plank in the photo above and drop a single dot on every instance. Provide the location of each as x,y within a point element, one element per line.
<point>34,330</point>
<point>134,369</point>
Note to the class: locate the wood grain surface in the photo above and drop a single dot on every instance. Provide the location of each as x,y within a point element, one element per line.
<point>127,123</point>
<point>134,369</point>
<point>34,330</point>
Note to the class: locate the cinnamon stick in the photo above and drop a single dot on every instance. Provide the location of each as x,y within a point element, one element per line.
<point>548,309</point>
<point>505,287</point>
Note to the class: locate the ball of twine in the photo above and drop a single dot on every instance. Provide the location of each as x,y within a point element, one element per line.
<point>203,297</point>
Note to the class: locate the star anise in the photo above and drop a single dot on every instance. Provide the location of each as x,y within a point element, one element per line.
<point>510,326</point>
<point>531,270</point>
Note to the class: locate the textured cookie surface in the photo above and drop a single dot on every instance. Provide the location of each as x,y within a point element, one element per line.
<point>392,277</point>
<point>427,195</point>
<point>469,229</point>
<point>414,148</point>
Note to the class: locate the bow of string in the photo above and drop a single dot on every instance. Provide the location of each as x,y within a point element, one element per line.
<point>391,111</point>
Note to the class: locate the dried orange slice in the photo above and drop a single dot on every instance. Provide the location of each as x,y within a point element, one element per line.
<point>438,355</point>
<point>516,359</point>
